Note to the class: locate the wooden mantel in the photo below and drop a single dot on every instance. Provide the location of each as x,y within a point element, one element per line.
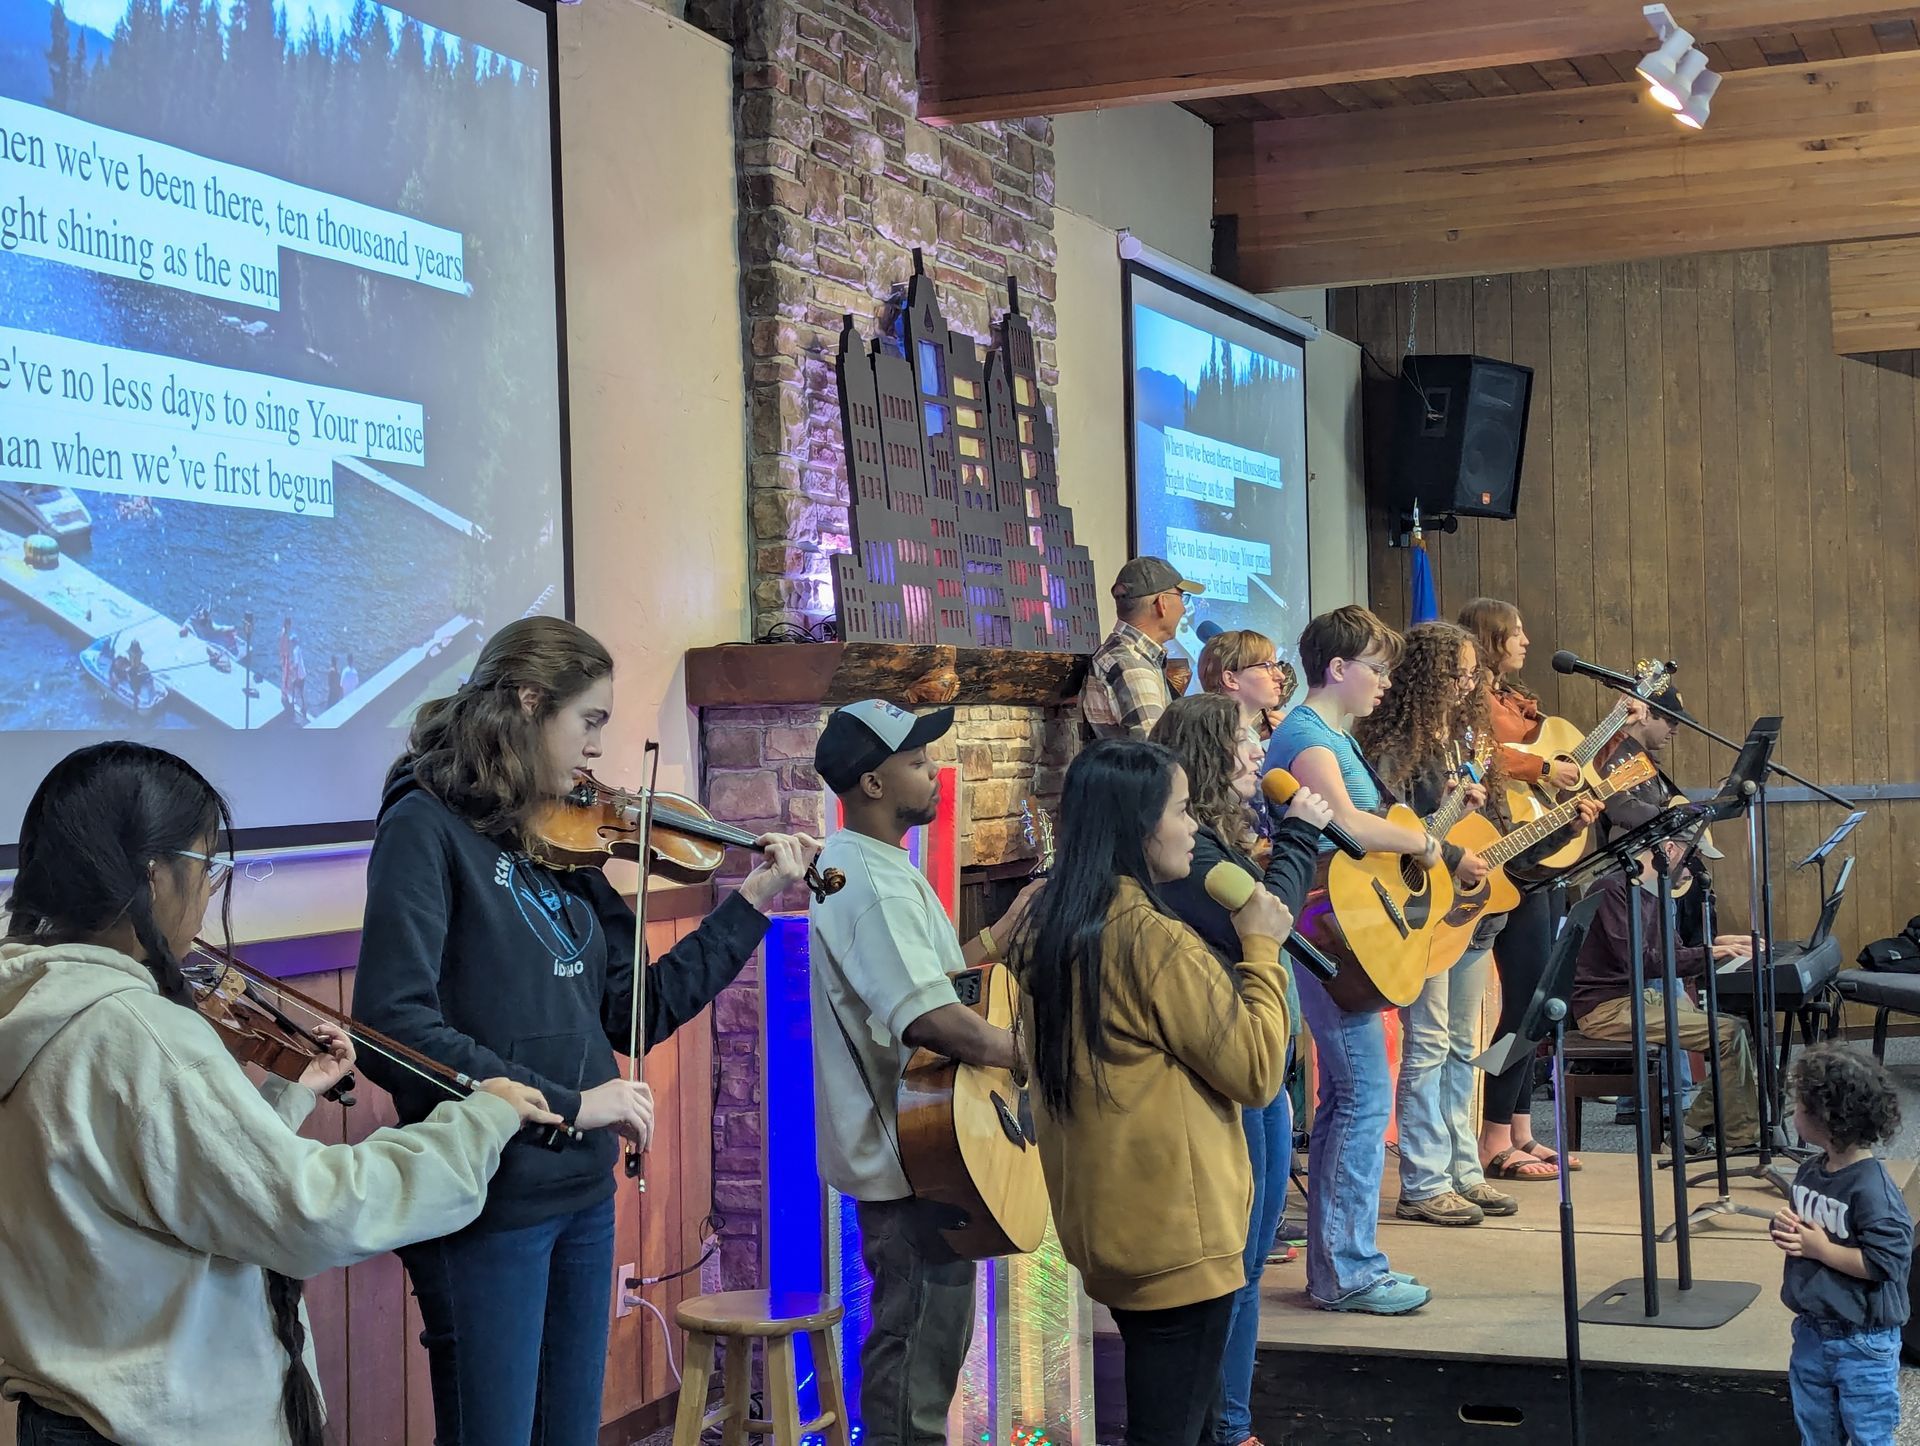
<point>747,675</point>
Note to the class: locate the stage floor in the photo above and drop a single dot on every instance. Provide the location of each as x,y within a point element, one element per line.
<point>1496,1286</point>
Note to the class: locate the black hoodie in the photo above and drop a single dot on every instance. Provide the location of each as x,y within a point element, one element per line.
<point>479,958</point>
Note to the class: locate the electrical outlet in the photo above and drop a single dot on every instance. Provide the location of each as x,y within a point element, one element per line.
<point>622,1295</point>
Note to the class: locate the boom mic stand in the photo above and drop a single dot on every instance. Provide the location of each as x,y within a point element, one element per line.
<point>1751,770</point>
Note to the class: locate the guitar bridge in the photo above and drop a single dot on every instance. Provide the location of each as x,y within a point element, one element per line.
<point>1398,919</point>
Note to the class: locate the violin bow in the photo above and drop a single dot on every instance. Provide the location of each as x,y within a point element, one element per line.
<point>440,1076</point>
<point>636,1045</point>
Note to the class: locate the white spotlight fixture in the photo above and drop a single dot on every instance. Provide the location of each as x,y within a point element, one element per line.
<point>1676,73</point>
<point>1693,114</point>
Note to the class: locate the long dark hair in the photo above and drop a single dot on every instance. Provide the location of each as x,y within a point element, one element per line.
<point>1115,793</point>
<point>94,828</point>
<point>1205,733</point>
<point>1493,622</point>
<point>477,750</point>
<point>1420,714</point>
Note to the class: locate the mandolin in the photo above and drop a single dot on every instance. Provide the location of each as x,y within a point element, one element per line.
<point>1496,893</point>
<point>966,1131</point>
<point>1558,739</point>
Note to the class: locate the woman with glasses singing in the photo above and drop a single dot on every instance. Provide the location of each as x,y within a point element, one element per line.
<point>1247,667</point>
<point>1348,657</point>
<point>160,1210</point>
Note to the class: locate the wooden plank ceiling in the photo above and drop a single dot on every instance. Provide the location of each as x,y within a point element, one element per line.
<point>989,59</point>
<point>1804,46</point>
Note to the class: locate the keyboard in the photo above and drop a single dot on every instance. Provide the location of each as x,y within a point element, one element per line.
<point>1799,973</point>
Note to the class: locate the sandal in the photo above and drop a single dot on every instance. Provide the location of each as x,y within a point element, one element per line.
<point>1549,1155</point>
<point>1518,1164</point>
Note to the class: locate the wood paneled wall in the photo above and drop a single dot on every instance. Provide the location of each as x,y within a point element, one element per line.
<point>366,1326</point>
<point>1705,480</point>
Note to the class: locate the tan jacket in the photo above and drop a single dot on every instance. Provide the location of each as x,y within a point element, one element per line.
<point>1150,1184</point>
<point>146,1185</point>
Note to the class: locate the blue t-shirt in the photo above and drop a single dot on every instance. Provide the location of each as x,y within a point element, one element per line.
<point>1302,729</point>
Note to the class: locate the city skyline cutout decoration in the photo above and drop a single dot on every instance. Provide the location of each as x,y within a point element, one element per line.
<point>959,536</point>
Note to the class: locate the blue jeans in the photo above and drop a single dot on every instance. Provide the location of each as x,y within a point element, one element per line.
<point>1846,1389</point>
<point>516,1329</point>
<point>1348,1148</point>
<point>1270,1150</point>
<point>1439,1136</point>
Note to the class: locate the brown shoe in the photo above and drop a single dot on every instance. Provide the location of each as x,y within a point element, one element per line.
<point>1490,1200</point>
<point>1450,1208</point>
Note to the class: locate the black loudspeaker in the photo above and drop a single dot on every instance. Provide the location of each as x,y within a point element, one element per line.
<point>1460,430</point>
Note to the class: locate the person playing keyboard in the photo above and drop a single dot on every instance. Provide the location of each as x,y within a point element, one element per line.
<point>1602,981</point>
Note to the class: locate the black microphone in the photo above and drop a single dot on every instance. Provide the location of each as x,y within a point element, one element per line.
<point>1280,786</point>
<point>1565,662</point>
<point>1207,629</point>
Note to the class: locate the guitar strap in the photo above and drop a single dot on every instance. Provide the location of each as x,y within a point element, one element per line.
<point>872,1094</point>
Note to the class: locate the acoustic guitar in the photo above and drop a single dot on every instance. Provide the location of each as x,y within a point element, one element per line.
<point>1560,740</point>
<point>1496,893</point>
<point>966,1131</point>
<point>1375,917</point>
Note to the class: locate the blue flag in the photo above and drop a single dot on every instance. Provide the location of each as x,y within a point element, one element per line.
<point>1426,604</point>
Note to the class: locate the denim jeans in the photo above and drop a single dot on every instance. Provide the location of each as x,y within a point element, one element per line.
<point>1348,1148</point>
<point>516,1329</point>
<point>1270,1151</point>
<point>39,1426</point>
<point>1439,1136</point>
<point>922,1324</point>
<point>1846,1389</point>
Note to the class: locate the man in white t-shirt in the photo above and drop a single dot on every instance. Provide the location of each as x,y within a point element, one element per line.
<point>882,950</point>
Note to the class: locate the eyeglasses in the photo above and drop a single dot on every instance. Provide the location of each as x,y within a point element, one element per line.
<point>1274,667</point>
<point>217,869</point>
<point>1382,671</point>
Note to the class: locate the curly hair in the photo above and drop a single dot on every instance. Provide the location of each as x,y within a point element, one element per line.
<point>1420,714</point>
<point>1848,1092</point>
<point>1204,732</point>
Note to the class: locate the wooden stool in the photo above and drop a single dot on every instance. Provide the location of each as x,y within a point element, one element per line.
<point>1616,1079</point>
<point>742,1317</point>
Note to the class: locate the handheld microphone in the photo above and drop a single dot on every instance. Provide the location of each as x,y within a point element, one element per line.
<point>1565,662</point>
<point>1280,786</point>
<point>1207,629</point>
<point>1230,886</point>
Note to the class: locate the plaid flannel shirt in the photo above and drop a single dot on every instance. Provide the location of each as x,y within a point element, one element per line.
<point>1126,689</point>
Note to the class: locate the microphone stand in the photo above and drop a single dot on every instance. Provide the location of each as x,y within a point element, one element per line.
<point>1751,799</point>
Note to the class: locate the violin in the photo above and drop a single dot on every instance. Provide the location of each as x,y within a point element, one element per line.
<point>233,996</point>
<point>594,822</point>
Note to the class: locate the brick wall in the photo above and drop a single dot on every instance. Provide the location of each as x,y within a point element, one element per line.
<point>838,184</point>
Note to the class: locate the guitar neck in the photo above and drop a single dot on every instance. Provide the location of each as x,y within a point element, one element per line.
<point>1547,825</point>
<point>1602,735</point>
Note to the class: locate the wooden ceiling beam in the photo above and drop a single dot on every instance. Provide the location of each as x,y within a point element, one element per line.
<point>1792,155</point>
<point>991,59</point>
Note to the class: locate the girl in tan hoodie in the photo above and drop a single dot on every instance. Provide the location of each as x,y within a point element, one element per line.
<point>159,1210</point>
<point>1143,1054</point>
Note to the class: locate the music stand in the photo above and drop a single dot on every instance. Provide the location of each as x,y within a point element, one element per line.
<point>1694,1304</point>
<point>1833,840</point>
<point>1546,1014</point>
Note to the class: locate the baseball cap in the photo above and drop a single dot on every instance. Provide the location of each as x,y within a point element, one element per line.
<point>1149,576</point>
<point>1669,697</point>
<point>861,736</point>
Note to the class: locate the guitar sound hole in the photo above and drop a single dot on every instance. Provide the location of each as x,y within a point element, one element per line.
<point>1009,1126</point>
<point>1410,870</point>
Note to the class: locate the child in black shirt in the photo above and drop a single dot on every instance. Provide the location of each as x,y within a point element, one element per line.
<point>1849,1243</point>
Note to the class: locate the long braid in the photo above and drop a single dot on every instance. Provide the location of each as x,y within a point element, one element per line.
<point>299,1399</point>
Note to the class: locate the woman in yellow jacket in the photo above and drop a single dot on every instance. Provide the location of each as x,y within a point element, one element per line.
<point>1143,1055</point>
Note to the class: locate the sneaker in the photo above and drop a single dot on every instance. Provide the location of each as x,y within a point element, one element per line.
<point>1404,1278</point>
<point>1449,1208</point>
<point>1490,1200</point>
<point>1390,1297</point>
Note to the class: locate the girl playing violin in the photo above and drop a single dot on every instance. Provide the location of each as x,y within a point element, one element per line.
<point>160,1210</point>
<point>479,955</point>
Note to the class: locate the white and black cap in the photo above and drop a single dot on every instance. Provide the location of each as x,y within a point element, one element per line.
<point>861,736</point>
